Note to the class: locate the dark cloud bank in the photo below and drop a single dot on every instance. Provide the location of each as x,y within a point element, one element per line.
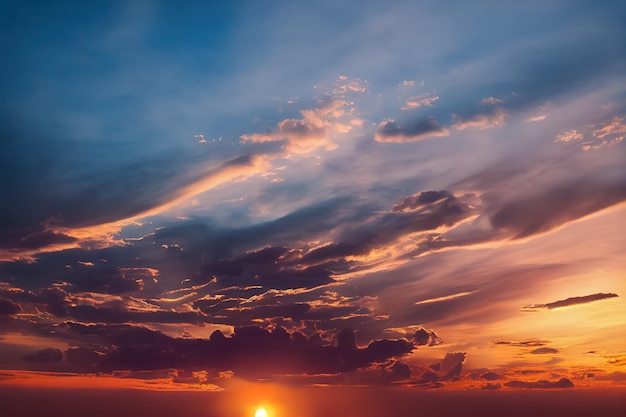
<point>251,351</point>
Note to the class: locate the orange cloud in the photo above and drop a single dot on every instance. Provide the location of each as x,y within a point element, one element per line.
<point>316,129</point>
<point>319,127</point>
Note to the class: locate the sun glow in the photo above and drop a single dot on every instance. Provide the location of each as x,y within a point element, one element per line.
<point>260,412</point>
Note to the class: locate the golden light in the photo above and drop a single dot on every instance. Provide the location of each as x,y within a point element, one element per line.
<point>260,412</point>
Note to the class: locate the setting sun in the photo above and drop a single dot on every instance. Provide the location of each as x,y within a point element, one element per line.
<point>260,412</point>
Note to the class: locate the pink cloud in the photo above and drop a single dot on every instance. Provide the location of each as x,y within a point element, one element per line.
<point>419,101</point>
<point>568,136</point>
<point>487,120</point>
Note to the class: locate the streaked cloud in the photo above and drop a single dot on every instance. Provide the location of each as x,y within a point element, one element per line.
<point>572,301</point>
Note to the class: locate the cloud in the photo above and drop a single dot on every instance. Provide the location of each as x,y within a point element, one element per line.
<point>605,137</point>
<point>449,368</point>
<point>45,355</point>
<point>543,209</point>
<point>251,351</point>
<point>319,127</point>
<point>424,337</point>
<point>609,135</point>
<point>390,132</point>
<point>568,136</point>
<point>541,384</point>
<point>490,376</point>
<point>420,200</point>
<point>271,267</point>
<point>488,114</point>
<point>526,343</point>
<point>401,370</point>
<point>617,376</point>
<point>544,351</point>
<point>572,301</point>
<point>37,240</point>
<point>615,127</point>
<point>534,119</point>
<point>8,307</point>
<point>419,101</point>
<point>63,220</point>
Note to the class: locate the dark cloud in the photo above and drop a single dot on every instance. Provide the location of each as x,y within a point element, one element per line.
<point>424,337</point>
<point>202,240</point>
<point>87,313</point>
<point>419,200</point>
<point>543,351</point>
<point>616,376</point>
<point>18,241</point>
<point>490,376</point>
<point>45,355</point>
<point>487,114</point>
<point>572,301</point>
<point>401,370</point>
<point>390,131</point>
<point>83,356</point>
<point>269,268</point>
<point>525,343</point>
<point>251,351</point>
<point>8,307</point>
<point>331,252</point>
<point>541,384</point>
<point>449,368</point>
<point>390,226</point>
<point>85,270</point>
<point>51,300</point>
<point>545,209</point>
<point>428,376</point>
<point>264,255</point>
<point>110,188</point>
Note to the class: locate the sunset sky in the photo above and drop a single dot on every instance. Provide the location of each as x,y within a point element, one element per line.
<point>306,205</point>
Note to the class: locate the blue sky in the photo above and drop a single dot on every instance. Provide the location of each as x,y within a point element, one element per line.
<point>402,182</point>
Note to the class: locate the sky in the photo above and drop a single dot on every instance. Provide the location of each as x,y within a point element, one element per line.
<point>394,206</point>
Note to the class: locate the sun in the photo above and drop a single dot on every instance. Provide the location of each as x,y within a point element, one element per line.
<point>260,412</point>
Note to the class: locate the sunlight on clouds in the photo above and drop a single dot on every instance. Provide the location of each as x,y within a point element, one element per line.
<point>419,101</point>
<point>320,127</point>
<point>445,297</point>
<point>568,136</point>
<point>534,119</point>
<point>106,235</point>
<point>265,198</point>
<point>495,118</point>
<point>75,381</point>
